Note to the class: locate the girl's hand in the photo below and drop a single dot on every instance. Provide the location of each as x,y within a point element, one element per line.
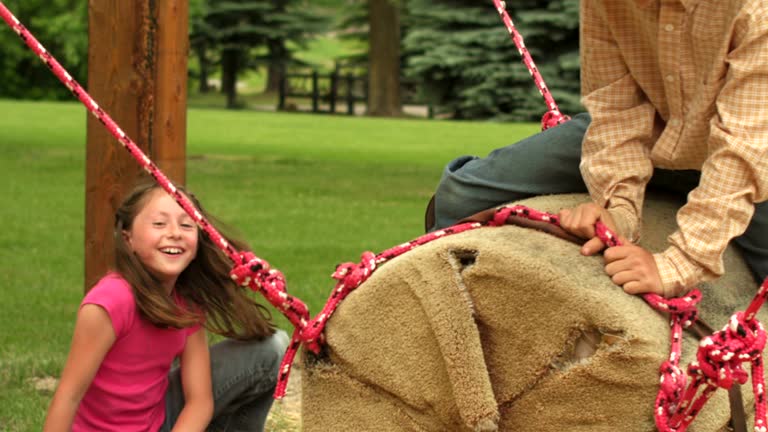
<point>633,268</point>
<point>580,221</point>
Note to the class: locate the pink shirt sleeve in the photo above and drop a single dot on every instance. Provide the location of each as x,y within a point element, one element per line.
<point>115,295</point>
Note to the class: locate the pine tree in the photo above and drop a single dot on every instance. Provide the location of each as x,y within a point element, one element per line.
<point>62,27</point>
<point>237,28</point>
<point>471,67</point>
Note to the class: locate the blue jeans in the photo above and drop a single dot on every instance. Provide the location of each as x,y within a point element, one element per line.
<point>548,163</point>
<point>244,375</point>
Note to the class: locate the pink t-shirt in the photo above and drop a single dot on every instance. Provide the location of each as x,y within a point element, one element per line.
<point>128,392</point>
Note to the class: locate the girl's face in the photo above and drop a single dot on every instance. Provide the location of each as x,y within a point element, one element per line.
<point>163,237</point>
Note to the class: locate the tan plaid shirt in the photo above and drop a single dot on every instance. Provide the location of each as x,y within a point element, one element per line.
<point>678,84</point>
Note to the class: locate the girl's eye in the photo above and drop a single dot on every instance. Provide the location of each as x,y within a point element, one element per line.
<point>158,224</point>
<point>187,225</point>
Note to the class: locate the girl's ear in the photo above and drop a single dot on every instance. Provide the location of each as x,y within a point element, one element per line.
<point>127,238</point>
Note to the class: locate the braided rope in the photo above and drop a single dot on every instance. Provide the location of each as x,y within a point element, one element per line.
<point>719,356</point>
<point>719,364</point>
<point>553,117</point>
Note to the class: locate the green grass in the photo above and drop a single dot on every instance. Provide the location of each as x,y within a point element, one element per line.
<point>306,191</point>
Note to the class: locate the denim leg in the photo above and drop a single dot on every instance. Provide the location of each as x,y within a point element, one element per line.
<point>754,243</point>
<point>545,163</point>
<point>678,182</point>
<point>244,375</point>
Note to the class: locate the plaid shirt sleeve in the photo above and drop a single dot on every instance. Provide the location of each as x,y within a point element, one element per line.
<point>707,77</point>
<point>616,164</point>
<point>735,174</point>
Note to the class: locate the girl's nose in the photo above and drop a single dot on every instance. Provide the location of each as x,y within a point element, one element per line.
<point>174,230</point>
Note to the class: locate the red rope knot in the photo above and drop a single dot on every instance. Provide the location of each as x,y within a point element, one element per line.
<point>721,355</point>
<point>251,268</point>
<point>672,382</point>
<point>553,118</point>
<point>349,276</point>
<point>256,274</point>
<point>353,274</point>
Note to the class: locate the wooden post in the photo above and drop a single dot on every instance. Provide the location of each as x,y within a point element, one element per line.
<point>350,94</point>
<point>334,77</point>
<point>315,93</point>
<point>137,72</point>
<point>283,87</point>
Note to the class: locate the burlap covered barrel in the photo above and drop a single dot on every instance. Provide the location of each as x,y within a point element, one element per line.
<point>506,329</point>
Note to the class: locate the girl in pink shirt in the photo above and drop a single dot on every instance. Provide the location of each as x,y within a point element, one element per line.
<point>170,284</point>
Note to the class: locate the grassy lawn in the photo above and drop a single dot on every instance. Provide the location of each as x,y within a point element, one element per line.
<point>306,191</point>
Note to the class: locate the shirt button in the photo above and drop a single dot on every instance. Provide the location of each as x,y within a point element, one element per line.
<point>669,27</point>
<point>670,78</point>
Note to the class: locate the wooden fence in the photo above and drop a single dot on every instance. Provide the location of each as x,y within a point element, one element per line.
<point>334,89</point>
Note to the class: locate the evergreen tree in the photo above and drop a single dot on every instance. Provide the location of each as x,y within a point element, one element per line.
<point>62,27</point>
<point>200,41</point>
<point>237,28</point>
<point>471,67</point>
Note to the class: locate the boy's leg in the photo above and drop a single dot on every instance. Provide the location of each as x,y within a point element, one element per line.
<point>546,163</point>
<point>754,243</point>
<point>244,375</point>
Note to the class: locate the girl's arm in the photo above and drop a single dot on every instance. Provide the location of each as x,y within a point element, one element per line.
<point>196,382</point>
<point>92,339</point>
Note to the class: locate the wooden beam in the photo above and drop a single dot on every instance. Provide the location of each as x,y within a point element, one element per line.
<point>137,72</point>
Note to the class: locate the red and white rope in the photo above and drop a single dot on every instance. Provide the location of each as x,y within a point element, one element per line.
<point>553,117</point>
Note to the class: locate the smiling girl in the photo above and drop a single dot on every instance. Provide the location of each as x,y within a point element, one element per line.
<point>170,283</point>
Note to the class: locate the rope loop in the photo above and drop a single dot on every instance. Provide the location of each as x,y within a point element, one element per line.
<point>683,308</point>
<point>351,274</point>
<point>720,356</point>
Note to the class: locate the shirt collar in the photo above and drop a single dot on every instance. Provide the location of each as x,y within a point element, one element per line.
<point>687,4</point>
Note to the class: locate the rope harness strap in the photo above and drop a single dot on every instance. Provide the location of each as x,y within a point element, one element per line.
<point>719,358</point>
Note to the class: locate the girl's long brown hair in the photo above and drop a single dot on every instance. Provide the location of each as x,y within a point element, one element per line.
<point>205,285</point>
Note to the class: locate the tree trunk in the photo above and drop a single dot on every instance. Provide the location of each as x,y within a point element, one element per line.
<point>230,59</point>
<point>384,59</point>
<point>278,57</point>
<point>202,59</point>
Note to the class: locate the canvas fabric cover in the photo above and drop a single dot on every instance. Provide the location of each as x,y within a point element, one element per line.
<point>509,329</point>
